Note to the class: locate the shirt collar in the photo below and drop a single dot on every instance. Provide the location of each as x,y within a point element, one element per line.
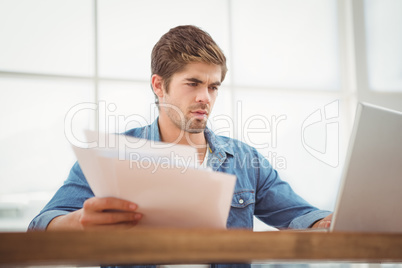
<point>219,147</point>
<point>217,144</point>
<point>152,132</point>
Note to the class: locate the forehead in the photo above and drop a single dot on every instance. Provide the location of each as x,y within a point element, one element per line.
<point>202,71</point>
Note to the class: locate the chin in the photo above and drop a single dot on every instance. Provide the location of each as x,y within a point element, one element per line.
<point>196,126</point>
<point>197,129</point>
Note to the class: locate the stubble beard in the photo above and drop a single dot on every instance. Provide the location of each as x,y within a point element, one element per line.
<point>186,122</point>
<point>195,125</point>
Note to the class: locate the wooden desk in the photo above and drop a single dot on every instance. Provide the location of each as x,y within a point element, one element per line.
<point>155,246</point>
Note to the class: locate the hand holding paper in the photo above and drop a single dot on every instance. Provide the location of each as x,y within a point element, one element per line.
<point>167,192</point>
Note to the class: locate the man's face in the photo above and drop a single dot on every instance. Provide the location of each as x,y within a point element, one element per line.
<point>192,94</point>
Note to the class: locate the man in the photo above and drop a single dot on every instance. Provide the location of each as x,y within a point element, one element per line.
<point>187,70</point>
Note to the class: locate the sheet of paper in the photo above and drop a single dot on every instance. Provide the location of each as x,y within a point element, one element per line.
<point>168,195</point>
<point>136,149</point>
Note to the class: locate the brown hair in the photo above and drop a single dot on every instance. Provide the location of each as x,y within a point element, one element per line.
<point>183,45</point>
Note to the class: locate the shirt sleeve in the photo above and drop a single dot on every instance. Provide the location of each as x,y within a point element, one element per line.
<point>278,205</point>
<point>70,197</point>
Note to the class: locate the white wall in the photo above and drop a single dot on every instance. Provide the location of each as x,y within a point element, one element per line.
<point>287,60</point>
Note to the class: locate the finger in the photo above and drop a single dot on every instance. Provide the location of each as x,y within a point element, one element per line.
<point>99,218</point>
<point>328,218</point>
<point>319,225</point>
<point>109,203</point>
<point>324,224</point>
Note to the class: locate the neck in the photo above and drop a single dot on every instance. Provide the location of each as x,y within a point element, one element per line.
<point>170,133</point>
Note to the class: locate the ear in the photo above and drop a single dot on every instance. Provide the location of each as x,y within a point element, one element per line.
<point>157,85</point>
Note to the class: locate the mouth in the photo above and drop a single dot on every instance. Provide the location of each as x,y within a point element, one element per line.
<point>200,114</point>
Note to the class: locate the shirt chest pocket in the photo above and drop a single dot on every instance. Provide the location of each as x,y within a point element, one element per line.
<point>242,210</point>
<point>242,199</point>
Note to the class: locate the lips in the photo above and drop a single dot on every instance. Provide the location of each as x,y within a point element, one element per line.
<point>200,114</point>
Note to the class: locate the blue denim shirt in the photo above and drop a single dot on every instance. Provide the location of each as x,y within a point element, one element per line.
<point>258,191</point>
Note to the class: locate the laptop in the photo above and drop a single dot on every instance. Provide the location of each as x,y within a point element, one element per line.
<point>370,193</point>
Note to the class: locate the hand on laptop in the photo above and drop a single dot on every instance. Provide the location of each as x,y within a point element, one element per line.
<point>99,213</point>
<point>324,223</point>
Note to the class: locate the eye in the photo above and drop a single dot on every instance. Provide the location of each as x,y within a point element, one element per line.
<point>192,84</point>
<point>213,88</point>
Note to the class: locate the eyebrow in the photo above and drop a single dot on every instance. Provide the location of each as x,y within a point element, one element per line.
<point>195,80</point>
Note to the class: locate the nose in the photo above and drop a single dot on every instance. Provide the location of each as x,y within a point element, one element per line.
<point>203,95</point>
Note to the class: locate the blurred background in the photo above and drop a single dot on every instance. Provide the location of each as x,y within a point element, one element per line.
<point>71,65</point>
<point>296,72</point>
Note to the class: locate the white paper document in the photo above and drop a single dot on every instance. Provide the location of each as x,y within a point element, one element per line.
<point>162,179</point>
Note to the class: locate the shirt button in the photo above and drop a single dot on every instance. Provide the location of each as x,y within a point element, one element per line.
<point>241,201</point>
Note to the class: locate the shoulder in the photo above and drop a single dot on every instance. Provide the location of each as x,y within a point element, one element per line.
<point>234,146</point>
<point>240,152</point>
<point>140,132</point>
<point>149,132</point>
